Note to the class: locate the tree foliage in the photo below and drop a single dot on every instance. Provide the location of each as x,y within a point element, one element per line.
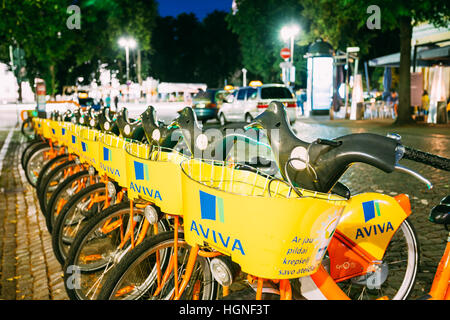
<point>185,49</point>
<point>257,24</point>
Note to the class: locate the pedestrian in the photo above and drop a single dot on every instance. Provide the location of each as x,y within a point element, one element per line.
<point>425,105</point>
<point>116,102</point>
<point>108,101</point>
<point>448,110</point>
<point>392,102</point>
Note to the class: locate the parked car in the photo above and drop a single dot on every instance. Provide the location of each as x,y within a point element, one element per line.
<point>247,103</point>
<point>207,103</point>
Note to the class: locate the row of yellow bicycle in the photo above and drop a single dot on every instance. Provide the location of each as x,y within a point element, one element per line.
<point>142,210</point>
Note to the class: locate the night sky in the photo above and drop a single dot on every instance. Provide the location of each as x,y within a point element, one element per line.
<point>201,8</point>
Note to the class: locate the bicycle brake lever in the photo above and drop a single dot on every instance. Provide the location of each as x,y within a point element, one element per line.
<point>415,175</point>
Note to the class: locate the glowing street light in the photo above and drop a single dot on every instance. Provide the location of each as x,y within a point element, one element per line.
<point>288,33</point>
<point>127,43</point>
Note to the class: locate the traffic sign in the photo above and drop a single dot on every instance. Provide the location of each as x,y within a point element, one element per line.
<point>285,53</point>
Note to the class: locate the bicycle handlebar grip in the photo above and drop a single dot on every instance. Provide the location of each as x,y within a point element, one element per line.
<point>427,158</point>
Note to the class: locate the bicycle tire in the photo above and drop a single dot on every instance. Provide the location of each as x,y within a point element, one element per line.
<point>49,166</point>
<point>140,253</point>
<point>29,173</point>
<point>46,189</point>
<point>58,239</point>
<point>62,187</point>
<point>29,150</point>
<point>99,250</point>
<point>24,128</point>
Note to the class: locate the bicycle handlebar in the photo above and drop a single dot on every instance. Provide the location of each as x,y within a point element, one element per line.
<point>427,158</point>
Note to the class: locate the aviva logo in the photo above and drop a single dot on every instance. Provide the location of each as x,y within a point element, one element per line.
<point>74,139</point>
<point>141,171</point>
<point>106,154</point>
<point>211,207</point>
<point>63,131</point>
<point>371,209</point>
<point>84,146</point>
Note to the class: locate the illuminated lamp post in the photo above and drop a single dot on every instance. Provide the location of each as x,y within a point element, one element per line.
<point>127,43</point>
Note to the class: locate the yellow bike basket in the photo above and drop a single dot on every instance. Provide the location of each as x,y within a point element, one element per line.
<point>89,147</point>
<point>73,138</point>
<point>154,174</point>
<point>261,223</point>
<point>55,130</point>
<point>46,129</point>
<point>63,133</point>
<point>111,157</point>
<point>38,127</point>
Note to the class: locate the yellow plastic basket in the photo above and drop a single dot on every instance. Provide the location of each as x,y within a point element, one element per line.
<point>154,174</point>
<point>63,133</point>
<point>261,223</point>
<point>89,147</point>
<point>46,129</point>
<point>55,130</point>
<point>38,127</point>
<point>73,138</point>
<point>111,158</point>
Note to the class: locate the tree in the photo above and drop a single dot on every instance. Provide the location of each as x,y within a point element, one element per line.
<point>220,50</point>
<point>61,54</point>
<point>257,24</point>
<point>187,50</point>
<point>136,19</point>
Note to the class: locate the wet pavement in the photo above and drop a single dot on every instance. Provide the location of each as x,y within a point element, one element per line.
<point>29,270</point>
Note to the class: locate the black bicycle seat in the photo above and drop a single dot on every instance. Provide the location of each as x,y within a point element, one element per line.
<point>107,122</point>
<point>93,119</point>
<point>156,132</point>
<point>68,115</point>
<point>200,143</point>
<point>319,165</point>
<point>129,128</point>
<point>440,214</point>
<point>446,200</point>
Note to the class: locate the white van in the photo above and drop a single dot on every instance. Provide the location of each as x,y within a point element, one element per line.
<point>247,103</point>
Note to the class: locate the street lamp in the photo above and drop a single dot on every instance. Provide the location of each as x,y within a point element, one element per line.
<point>127,43</point>
<point>288,33</point>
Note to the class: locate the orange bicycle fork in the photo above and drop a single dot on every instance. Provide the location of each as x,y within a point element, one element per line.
<point>440,289</point>
<point>173,266</point>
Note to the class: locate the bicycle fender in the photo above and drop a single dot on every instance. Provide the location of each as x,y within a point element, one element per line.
<point>370,220</point>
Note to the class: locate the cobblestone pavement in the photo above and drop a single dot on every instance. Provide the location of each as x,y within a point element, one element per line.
<point>29,270</point>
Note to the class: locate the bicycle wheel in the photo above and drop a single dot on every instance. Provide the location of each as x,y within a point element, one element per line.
<point>137,275</point>
<point>100,245</point>
<point>73,217</point>
<point>49,166</point>
<point>35,162</point>
<point>27,128</point>
<point>396,275</point>
<point>29,150</point>
<point>66,189</point>
<point>53,179</point>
